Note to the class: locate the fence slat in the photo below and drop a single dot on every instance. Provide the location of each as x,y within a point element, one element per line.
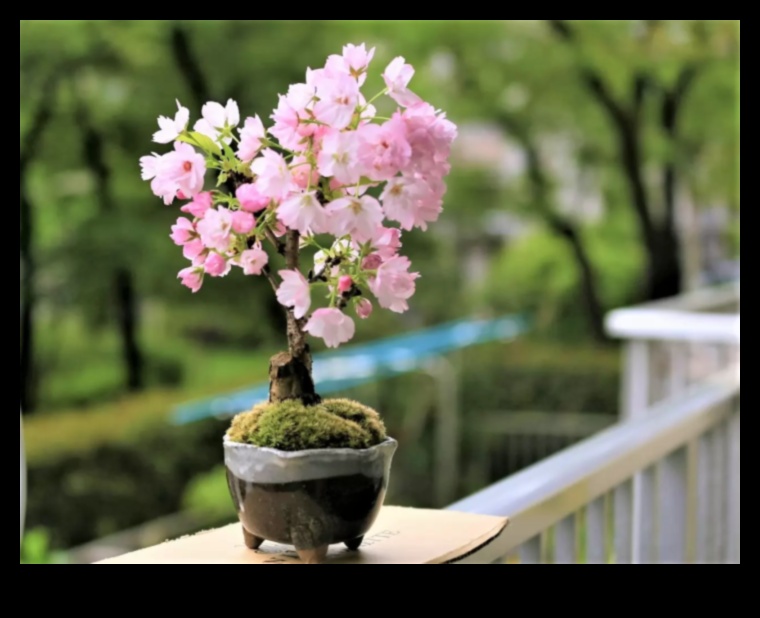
<point>565,546</point>
<point>596,537</point>
<point>644,528</point>
<point>734,490</point>
<point>718,496</point>
<point>623,507</point>
<point>704,498</point>
<point>672,503</point>
<point>530,552</point>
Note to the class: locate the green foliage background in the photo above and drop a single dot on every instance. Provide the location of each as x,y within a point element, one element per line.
<point>103,459</point>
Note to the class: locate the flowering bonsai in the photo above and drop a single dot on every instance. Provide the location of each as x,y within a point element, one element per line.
<point>330,176</point>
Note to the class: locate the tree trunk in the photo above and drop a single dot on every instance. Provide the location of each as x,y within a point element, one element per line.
<point>589,287</point>
<point>189,66</point>
<point>27,395</point>
<point>565,228</point>
<point>128,320</point>
<point>29,148</point>
<point>122,279</point>
<point>665,271</point>
<point>290,373</point>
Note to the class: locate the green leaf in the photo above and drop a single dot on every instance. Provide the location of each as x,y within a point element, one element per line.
<point>202,141</point>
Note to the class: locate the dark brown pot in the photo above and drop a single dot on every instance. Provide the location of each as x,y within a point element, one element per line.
<point>308,499</point>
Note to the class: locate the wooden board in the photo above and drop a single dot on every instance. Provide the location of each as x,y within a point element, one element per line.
<point>400,536</point>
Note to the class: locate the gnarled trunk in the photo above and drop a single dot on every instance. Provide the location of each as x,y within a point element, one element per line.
<point>290,373</point>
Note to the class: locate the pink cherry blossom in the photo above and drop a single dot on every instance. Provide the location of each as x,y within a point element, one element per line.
<point>397,77</point>
<point>191,278</point>
<point>215,229</point>
<point>294,292</point>
<point>364,308</point>
<point>188,169</point>
<point>431,135</point>
<point>345,284</point>
<point>332,325</point>
<point>355,215</point>
<point>180,172</point>
<point>354,62</point>
<point>254,260</point>
<point>383,149</point>
<point>217,266</point>
<point>338,99</point>
<point>216,118</point>
<point>292,110</point>
<point>394,284</point>
<point>252,136</point>
<point>286,123</point>
<point>372,262</point>
<point>317,171</point>
<point>200,205</point>
<point>171,129</point>
<point>243,222</point>
<point>274,180</point>
<point>338,157</point>
<point>183,232</point>
<point>303,174</point>
<point>149,166</point>
<point>251,199</point>
<point>411,202</point>
<point>195,251</point>
<point>386,242</point>
<point>304,213</point>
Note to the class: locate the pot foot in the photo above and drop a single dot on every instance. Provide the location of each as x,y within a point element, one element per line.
<point>355,544</point>
<point>313,556</point>
<point>252,541</point>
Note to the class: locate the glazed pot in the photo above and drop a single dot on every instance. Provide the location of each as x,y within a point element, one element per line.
<point>308,499</point>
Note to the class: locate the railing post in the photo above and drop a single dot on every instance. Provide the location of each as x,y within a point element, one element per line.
<point>636,383</point>
<point>734,489</point>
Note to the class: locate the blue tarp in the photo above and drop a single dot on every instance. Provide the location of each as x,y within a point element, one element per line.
<point>361,364</point>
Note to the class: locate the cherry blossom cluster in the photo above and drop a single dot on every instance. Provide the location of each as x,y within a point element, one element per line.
<point>330,174</point>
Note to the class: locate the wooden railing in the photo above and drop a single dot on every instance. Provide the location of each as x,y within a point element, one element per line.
<point>664,484</point>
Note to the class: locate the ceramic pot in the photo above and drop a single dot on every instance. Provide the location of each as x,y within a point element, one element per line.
<point>308,499</point>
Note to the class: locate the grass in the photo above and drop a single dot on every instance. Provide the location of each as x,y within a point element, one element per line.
<point>207,372</point>
<point>50,435</point>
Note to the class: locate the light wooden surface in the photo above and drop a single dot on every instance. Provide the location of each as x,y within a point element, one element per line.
<point>400,536</point>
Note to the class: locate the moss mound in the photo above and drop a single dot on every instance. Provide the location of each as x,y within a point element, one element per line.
<point>292,426</point>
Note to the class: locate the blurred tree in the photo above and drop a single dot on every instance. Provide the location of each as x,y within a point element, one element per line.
<point>29,150</point>
<point>121,277</point>
<point>638,115</point>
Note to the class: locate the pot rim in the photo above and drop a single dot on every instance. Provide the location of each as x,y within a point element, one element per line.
<point>311,453</point>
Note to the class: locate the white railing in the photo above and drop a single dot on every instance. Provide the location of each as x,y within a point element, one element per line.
<point>664,484</point>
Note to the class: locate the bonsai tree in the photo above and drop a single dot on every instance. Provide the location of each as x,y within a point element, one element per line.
<point>329,174</point>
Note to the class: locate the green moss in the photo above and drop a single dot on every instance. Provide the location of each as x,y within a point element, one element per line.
<point>291,426</point>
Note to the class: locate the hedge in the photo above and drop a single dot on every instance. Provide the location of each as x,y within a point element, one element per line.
<point>89,489</point>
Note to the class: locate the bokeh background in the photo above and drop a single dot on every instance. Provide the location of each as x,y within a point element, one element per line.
<point>597,167</point>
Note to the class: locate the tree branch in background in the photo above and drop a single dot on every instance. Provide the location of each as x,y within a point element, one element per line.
<point>626,124</point>
<point>189,66</point>
<point>664,271</point>
<point>191,71</point>
<point>564,227</point>
<point>28,152</point>
<point>122,279</point>
<point>672,105</point>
